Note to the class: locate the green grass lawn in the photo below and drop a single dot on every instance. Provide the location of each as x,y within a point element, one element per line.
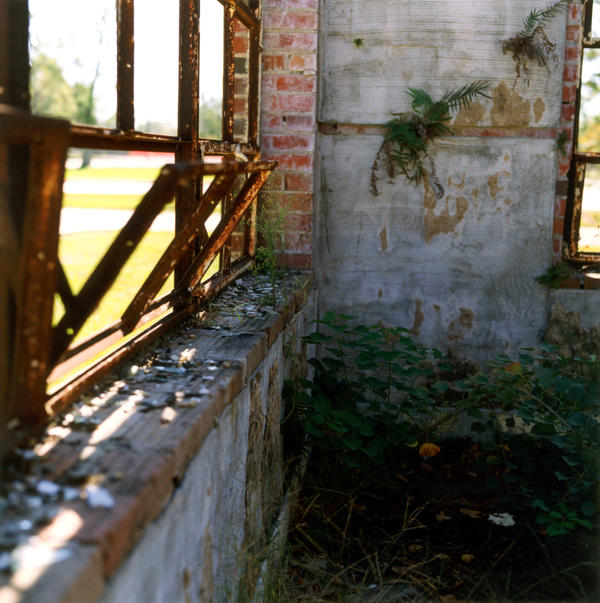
<point>79,254</point>
<point>113,173</point>
<point>91,201</point>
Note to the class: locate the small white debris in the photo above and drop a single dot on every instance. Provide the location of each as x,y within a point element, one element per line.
<point>502,519</point>
<point>70,493</point>
<point>99,497</point>
<point>5,561</point>
<point>47,488</point>
<point>36,553</point>
<point>203,391</point>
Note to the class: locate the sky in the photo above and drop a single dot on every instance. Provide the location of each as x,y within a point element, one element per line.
<point>81,35</point>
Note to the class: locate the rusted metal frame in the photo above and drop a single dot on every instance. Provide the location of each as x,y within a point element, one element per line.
<point>188,115</point>
<point>576,176</point>
<point>193,277</point>
<point>242,12</point>
<point>253,84</point>
<point>47,140</point>
<point>228,72</point>
<point>103,138</point>
<point>100,342</point>
<point>216,283</point>
<point>178,246</point>
<point>105,273</point>
<point>250,234</point>
<point>69,392</point>
<point>125,65</point>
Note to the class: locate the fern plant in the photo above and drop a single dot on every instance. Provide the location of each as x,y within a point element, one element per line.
<point>404,147</point>
<point>532,43</point>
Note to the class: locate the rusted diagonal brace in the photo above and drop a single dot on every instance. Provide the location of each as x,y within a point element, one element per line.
<point>192,279</point>
<point>179,245</point>
<point>114,259</point>
<point>63,288</point>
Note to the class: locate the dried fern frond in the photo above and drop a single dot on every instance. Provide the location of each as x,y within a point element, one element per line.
<point>537,18</point>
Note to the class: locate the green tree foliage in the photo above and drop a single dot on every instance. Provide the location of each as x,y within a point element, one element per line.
<point>210,119</point>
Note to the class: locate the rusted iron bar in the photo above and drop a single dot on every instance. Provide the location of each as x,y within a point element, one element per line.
<point>115,258</point>
<point>250,230</point>
<point>89,137</point>
<point>188,115</point>
<point>228,71</point>
<point>47,141</point>
<point>213,285</point>
<point>184,238</point>
<point>229,221</point>
<point>253,73</point>
<point>244,13</point>
<point>593,158</point>
<point>125,65</point>
<point>94,345</point>
<point>69,392</point>
<point>63,288</point>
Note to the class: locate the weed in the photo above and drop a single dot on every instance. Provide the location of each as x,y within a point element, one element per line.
<point>532,43</point>
<point>408,134</point>
<point>554,276</point>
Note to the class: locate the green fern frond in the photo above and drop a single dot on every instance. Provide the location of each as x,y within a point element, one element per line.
<point>461,98</point>
<point>540,17</point>
<point>420,99</point>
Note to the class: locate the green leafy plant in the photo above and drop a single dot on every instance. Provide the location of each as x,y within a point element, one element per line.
<point>555,275</point>
<point>548,459</point>
<point>367,395</point>
<point>269,226</point>
<point>404,147</point>
<point>532,43</point>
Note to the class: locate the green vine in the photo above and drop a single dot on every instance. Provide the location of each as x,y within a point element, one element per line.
<point>532,43</point>
<point>405,144</point>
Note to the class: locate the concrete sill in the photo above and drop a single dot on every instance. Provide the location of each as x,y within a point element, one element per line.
<point>126,447</point>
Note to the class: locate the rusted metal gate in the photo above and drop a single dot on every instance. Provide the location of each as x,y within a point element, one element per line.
<point>37,349</point>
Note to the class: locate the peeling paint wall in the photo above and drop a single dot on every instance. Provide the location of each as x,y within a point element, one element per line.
<point>458,268</point>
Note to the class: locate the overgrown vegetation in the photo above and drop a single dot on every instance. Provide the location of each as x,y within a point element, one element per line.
<point>532,42</point>
<point>555,275</point>
<point>404,147</point>
<point>394,506</point>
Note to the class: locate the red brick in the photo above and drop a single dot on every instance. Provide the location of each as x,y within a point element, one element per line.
<point>573,32</point>
<point>300,123</point>
<point>297,102</point>
<point>290,20</point>
<point>591,283</point>
<point>269,102</point>
<point>559,225</point>
<point>240,104</point>
<point>300,242</point>
<point>271,123</point>
<point>303,62</point>
<point>298,182</point>
<point>275,181</point>
<point>296,83</point>
<point>240,85</point>
<point>290,41</point>
<point>296,261</point>
<point>570,73</point>
<point>559,207</point>
<point>240,44</point>
<point>557,245</point>
<point>302,202</point>
<point>297,163</point>
<point>293,142</point>
<point>268,82</point>
<point>307,4</point>
<point>575,13</point>
<point>569,93</point>
<point>298,222</point>
<point>273,62</point>
<point>572,53</point>
<point>567,113</point>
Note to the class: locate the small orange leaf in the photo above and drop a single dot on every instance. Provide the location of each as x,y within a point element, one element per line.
<point>428,449</point>
<point>467,557</point>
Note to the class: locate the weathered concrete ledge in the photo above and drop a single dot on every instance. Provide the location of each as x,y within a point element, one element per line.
<point>165,482</point>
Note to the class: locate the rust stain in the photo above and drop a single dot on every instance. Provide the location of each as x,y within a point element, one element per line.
<point>459,184</point>
<point>470,115</point>
<point>509,108</point>
<point>538,109</point>
<point>494,184</point>
<point>383,236</point>
<point>419,317</point>
<point>463,323</point>
<point>379,294</point>
<point>507,201</point>
<point>475,193</point>
<point>506,157</point>
<point>444,222</point>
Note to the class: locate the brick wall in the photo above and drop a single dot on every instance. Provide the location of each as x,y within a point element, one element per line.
<point>288,117</point>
